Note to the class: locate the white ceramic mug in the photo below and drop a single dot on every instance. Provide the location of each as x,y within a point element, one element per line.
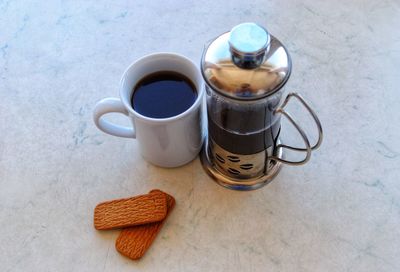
<point>166,142</point>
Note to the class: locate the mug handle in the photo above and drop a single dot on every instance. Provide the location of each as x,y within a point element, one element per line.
<point>108,105</point>
<point>308,148</point>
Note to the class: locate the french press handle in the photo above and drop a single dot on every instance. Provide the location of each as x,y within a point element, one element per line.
<point>308,148</point>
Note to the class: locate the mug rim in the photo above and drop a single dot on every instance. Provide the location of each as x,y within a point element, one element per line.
<point>196,103</point>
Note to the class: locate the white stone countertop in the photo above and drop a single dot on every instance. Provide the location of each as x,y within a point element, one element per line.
<point>339,212</point>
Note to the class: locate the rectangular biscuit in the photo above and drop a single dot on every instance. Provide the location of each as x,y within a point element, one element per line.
<point>133,242</point>
<point>131,211</point>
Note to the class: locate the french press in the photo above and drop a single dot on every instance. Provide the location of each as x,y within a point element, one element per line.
<point>245,71</point>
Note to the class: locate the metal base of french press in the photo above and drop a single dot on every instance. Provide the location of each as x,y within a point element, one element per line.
<point>239,184</point>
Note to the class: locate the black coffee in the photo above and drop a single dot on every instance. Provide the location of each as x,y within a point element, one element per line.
<point>163,94</point>
<point>243,128</point>
<point>244,144</point>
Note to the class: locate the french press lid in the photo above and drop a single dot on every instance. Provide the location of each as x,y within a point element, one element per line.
<point>246,63</point>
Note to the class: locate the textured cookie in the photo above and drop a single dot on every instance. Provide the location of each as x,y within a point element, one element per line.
<point>129,212</point>
<point>133,242</point>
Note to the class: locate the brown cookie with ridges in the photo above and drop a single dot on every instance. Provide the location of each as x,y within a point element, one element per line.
<point>131,211</point>
<point>133,242</point>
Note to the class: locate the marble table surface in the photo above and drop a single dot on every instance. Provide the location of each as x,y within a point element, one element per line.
<point>339,212</point>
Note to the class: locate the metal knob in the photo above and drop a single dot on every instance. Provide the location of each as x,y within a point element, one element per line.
<point>248,43</point>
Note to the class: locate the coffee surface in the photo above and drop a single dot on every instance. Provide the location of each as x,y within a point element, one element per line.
<point>163,94</point>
